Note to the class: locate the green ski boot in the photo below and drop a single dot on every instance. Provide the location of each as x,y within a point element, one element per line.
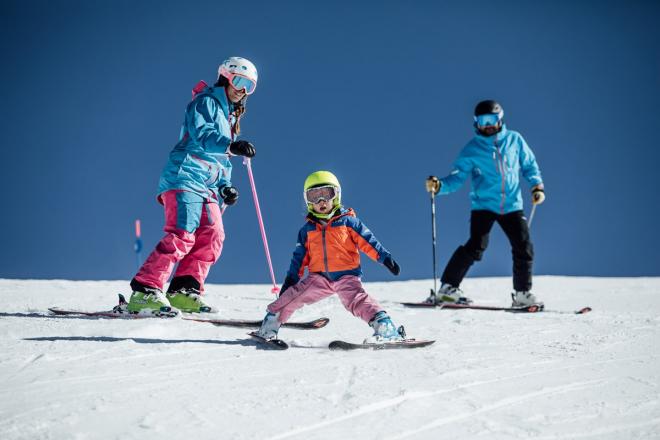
<point>189,300</point>
<point>150,302</point>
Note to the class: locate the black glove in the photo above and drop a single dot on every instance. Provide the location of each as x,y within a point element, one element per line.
<point>242,148</point>
<point>288,282</point>
<point>229,194</point>
<point>392,265</point>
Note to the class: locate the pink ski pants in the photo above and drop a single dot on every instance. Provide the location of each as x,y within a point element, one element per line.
<point>316,287</point>
<point>194,237</point>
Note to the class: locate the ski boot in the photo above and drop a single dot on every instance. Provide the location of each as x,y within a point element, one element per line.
<point>189,299</point>
<point>524,299</point>
<point>384,329</point>
<point>150,301</point>
<point>448,294</point>
<point>269,326</point>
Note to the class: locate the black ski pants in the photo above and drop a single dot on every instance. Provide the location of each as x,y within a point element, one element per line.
<point>515,227</point>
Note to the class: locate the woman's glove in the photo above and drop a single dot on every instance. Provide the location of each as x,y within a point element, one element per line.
<point>229,194</point>
<point>242,148</point>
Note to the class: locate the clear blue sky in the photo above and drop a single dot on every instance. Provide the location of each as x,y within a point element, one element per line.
<point>379,92</point>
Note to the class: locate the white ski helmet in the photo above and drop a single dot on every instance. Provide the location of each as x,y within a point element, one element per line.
<point>240,72</point>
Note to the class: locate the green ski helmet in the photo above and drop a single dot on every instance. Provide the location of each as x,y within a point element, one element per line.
<point>319,179</point>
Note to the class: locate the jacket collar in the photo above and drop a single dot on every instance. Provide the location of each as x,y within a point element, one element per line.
<point>488,141</point>
<point>341,212</point>
<point>220,95</point>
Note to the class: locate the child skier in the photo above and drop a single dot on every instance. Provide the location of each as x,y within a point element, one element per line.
<point>494,158</point>
<point>195,180</point>
<point>328,245</point>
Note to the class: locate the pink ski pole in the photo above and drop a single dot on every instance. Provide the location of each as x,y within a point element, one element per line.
<point>246,162</point>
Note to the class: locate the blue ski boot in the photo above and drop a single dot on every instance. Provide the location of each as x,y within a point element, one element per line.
<point>269,326</point>
<point>384,329</point>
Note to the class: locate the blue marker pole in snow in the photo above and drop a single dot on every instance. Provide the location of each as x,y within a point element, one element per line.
<point>137,247</point>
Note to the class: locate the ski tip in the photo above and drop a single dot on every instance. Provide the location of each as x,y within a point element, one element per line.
<point>583,310</point>
<point>427,305</point>
<point>321,322</point>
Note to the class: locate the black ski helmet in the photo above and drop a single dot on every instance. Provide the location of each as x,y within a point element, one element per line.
<point>488,106</point>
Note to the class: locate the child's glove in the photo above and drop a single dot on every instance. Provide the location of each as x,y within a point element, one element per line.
<point>392,265</point>
<point>288,282</point>
<point>242,148</point>
<point>538,195</point>
<point>229,194</point>
<point>433,184</point>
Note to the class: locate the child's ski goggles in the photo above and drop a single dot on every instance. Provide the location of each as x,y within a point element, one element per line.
<point>488,119</point>
<point>240,82</point>
<point>315,195</point>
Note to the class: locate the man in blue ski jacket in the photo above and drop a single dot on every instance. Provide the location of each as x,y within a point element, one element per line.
<point>494,159</point>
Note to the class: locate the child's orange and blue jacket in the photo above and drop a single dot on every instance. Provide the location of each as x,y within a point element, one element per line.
<point>333,249</point>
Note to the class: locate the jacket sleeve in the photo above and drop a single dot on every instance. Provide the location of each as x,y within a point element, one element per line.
<point>530,169</point>
<point>366,241</point>
<point>461,170</point>
<point>204,126</point>
<point>300,258</point>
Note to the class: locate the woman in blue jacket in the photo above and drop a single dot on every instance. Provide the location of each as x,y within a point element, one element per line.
<point>494,159</point>
<point>195,181</point>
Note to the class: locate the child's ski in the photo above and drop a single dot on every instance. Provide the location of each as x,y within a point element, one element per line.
<point>535,308</point>
<point>406,343</point>
<point>309,325</point>
<point>273,344</point>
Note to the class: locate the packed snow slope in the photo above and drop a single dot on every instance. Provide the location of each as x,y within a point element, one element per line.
<point>490,375</point>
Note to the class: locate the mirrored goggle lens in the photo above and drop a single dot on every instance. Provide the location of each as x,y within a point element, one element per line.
<point>486,120</point>
<point>315,195</point>
<point>241,82</point>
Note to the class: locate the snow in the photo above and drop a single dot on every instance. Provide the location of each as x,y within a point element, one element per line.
<point>490,375</point>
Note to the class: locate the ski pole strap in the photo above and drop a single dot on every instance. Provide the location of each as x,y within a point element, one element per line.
<point>247,163</point>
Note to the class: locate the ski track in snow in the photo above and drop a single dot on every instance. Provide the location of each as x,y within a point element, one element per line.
<point>490,375</point>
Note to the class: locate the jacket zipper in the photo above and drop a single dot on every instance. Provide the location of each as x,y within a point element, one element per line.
<point>325,251</point>
<point>501,167</point>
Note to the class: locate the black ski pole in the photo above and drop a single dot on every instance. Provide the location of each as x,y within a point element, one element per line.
<point>432,186</point>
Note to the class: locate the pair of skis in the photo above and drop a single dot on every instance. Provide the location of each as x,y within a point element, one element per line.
<point>119,312</point>
<point>534,308</point>
<point>279,344</point>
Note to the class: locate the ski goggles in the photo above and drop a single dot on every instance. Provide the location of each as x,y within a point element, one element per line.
<point>489,119</point>
<point>315,195</point>
<point>240,82</point>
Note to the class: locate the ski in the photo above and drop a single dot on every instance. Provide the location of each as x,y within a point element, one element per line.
<point>406,343</point>
<point>534,308</point>
<point>120,312</point>
<point>272,344</point>
<point>115,314</point>
<point>308,325</point>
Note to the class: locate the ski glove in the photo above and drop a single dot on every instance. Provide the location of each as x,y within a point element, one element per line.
<point>392,265</point>
<point>433,184</point>
<point>288,282</point>
<point>242,148</point>
<point>538,195</point>
<point>229,194</point>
